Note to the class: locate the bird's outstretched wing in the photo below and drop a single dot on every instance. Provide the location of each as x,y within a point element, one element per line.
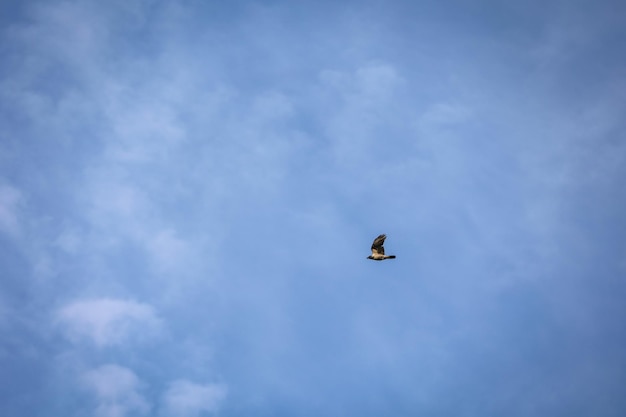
<point>377,245</point>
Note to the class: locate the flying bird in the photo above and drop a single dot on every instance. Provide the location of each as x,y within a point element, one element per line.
<point>378,251</point>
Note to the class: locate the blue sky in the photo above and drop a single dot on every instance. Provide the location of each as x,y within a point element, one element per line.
<point>189,190</point>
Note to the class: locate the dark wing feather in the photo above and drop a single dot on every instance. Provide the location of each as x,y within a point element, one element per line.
<point>377,245</point>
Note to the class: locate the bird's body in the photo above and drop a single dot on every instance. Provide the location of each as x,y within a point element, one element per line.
<point>378,251</point>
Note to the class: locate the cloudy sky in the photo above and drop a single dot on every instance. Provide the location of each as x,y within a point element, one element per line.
<point>189,190</point>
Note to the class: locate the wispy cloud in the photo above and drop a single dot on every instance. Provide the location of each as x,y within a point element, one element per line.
<point>117,391</point>
<point>107,322</point>
<point>442,114</point>
<point>10,198</point>
<point>188,399</point>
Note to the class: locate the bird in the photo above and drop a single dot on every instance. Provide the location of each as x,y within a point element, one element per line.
<point>378,251</point>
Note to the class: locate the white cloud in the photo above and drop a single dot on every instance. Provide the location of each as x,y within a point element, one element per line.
<point>186,399</point>
<point>10,198</point>
<point>107,322</point>
<point>116,390</point>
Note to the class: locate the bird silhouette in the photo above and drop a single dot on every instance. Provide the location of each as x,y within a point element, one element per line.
<point>378,251</point>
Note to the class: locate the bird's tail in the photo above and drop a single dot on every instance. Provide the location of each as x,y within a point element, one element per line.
<point>390,257</point>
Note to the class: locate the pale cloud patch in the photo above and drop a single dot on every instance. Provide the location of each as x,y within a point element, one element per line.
<point>358,104</point>
<point>366,82</point>
<point>124,213</point>
<point>377,80</point>
<point>69,241</point>
<point>187,399</point>
<point>116,390</point>
<point>438,128</point>
<point>10,199</point>
<point>143,130</point>
<point>118,201</point>
<point>272,106</point>
<point>106,322</point>
<point>444,114</point>
<point>4,313</point>
<point>166,249</point>
<point>118,211</point>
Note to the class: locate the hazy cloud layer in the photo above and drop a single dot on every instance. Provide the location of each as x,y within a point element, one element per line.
<point>107,321</point>
<point>189,190</point>
<point>116,391</point>
<point>9,206</point>
<point>187,399</point>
